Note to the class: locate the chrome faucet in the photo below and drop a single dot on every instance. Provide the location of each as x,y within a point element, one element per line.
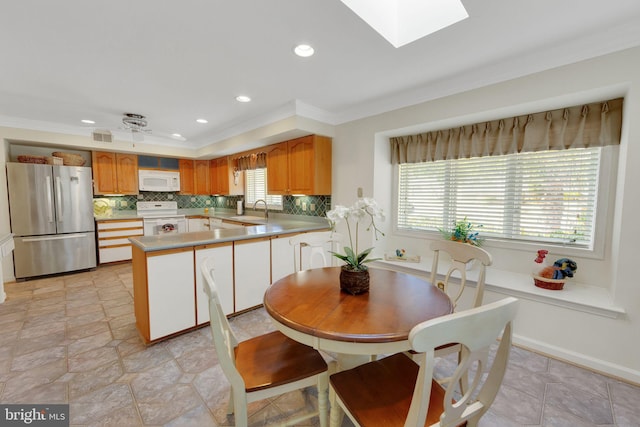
<point>266,210</point>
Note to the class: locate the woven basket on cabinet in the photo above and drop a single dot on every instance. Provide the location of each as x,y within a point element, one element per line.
<point>70,159</point>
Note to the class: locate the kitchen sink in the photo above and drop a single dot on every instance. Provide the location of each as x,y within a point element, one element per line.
<point>248,218</point>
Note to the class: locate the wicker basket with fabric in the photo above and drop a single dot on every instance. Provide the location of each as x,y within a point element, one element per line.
<point>70,159</point>
<point>32,159</point>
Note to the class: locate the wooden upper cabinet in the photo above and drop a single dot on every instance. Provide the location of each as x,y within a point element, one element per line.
<point>277,169</point>
<point>202,185</point>
<point>127,168</point>
<point>103,166</point>
<point>187,176</point>
<point>221,178</point>
<point>114,173</point>
<point>300,166</point>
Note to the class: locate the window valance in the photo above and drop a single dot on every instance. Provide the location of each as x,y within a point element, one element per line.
<point>590,125</point>
<point>252,161</point>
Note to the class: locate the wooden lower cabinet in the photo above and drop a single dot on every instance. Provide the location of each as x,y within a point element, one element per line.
<point>222,254</point>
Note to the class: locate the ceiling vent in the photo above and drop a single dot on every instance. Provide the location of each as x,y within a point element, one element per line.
<point>102,136</point>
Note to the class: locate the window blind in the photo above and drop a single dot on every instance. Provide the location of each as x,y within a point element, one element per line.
<point>546,196</point>
<point>256,189</point>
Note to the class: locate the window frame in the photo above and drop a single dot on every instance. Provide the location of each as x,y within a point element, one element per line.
<point>604,211</point>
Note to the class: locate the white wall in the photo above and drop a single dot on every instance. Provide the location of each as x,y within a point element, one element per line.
<point>361,159</point>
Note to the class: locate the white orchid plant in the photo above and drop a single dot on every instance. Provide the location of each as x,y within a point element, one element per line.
<point>364,212</point>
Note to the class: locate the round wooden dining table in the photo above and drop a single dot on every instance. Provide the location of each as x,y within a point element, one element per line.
<point>310,308</point>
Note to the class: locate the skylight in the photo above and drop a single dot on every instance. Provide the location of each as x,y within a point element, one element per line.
<point>404,21</point>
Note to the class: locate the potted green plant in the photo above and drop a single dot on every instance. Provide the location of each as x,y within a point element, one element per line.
<point>354,277</point>
<point>463,231</point>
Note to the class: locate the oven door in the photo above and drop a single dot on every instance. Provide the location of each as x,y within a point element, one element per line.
<point>159,226</point>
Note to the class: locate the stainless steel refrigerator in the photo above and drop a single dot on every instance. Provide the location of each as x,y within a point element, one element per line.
<point>51,218</point>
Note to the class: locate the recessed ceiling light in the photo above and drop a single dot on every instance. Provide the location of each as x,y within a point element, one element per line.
<point>303,50</point>
<point>202,120</point>
<point>243,98</point>
<point>87,121</point>
<point>176,135</point>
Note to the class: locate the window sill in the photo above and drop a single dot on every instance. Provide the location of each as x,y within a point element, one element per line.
<point>574,296</point>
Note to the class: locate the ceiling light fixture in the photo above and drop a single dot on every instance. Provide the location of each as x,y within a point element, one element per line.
<point>88,122</point>
<point>202,121</point>
<point>243,98</point>
<point>404,21</point>
<point>176,135</point>
<point>304,50</point>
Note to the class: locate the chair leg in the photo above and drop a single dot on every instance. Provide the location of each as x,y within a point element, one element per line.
<point>323,399</point>
<point>230,405</point>
<point>240,411</point>
<point>337,414</point>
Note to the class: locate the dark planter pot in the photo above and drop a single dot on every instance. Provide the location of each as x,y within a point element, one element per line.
<point>354,282</point>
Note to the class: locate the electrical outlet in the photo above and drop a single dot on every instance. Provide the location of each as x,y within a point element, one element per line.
<point>312,206</point>
<point>208,202</point>
<point>140,197</point>
<point>123,203</point>
<point>193,199</point>
<point>170,196</point>
<point>359,191</point>
<point>297,202</point>
<point>304,206</point>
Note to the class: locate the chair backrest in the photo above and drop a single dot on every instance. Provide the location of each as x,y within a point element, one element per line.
<point>314,246</point>
<point>223,338</point>
<point>460,254</point>
<point>476,329</point>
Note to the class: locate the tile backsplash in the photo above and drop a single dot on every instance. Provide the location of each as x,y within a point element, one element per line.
<point>295,205</point>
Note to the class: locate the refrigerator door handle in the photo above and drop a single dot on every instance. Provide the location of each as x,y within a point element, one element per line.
<point>49,199</point>
<point>59,198</point>
<point>57,237</point>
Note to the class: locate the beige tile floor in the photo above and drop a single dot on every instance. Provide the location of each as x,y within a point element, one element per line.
<point>72,339</point>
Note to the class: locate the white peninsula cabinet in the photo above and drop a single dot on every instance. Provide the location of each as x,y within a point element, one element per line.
<point>169,297</point>
<point>282,256</point>
<point>252,271</point>
<point>164,297</point>
<point>222,255</point>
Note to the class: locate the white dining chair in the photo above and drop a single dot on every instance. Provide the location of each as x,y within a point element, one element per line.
<point>397,391</point>
<point>310,250</point>
<point>264,366</point>
<point>460,254</point>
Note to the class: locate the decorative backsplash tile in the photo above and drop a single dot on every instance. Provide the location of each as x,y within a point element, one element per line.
<point>294,205</point>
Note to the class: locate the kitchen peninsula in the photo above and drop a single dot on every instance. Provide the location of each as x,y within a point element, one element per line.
<point>168,293</point>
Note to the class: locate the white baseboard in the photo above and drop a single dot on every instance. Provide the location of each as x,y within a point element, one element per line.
<point>620,372</point>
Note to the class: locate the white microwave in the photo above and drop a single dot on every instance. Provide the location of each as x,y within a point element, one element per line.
<point>155,180</point>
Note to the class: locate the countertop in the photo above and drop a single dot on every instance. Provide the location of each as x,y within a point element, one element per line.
<point>276,224</point>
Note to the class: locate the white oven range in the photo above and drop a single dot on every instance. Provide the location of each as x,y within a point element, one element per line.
<point>161,218</point>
